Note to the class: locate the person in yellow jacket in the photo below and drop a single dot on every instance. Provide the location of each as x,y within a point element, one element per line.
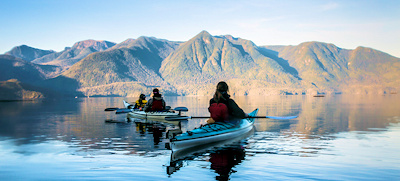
<point>141,102</point>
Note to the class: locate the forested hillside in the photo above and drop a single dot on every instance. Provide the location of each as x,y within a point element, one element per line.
<point>134,66</point>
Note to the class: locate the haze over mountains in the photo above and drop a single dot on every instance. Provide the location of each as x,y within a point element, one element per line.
<point>28,53</point>
<point>102,68</point>
<point>77,52</point>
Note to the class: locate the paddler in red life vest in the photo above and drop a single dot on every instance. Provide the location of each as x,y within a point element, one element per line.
<point>156,103</point>
<point>141,102</point>
<point>222,107</point>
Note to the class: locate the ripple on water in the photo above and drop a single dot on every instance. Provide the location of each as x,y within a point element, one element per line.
<point>288,144</point>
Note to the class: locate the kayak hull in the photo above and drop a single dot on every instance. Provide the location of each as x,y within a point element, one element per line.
<point>151,115</point>
<point>185,144</point>
<point>202,136</point>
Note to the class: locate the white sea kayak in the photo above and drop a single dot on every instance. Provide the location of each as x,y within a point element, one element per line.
<point>210,133</point>
<point>158,115</point>
<point>152,115</point>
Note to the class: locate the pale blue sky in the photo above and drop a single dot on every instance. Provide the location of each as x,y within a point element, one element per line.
<point>55,24</point>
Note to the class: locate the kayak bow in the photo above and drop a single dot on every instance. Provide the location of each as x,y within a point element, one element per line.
<point>211,133</point>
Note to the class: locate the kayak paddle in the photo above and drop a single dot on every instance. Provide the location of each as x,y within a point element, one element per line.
<point>111,109</point>
<point>276,117</point>
<point>120,111</point>
<point>200,117</point>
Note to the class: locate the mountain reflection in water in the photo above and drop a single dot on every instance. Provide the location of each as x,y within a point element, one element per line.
<point>344,137</point>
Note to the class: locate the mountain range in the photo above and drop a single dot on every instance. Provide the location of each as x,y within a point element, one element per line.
<point>134,66</point>
<point>77,52</point>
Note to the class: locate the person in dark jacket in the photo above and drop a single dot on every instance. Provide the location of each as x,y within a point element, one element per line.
<point>156,103</point>
<point>222,107</point>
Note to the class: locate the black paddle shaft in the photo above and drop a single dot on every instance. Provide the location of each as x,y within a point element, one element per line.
<point>194,117</point>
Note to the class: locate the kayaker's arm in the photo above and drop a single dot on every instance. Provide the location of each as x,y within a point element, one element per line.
<point>235,110</point>
<point>164,104</point>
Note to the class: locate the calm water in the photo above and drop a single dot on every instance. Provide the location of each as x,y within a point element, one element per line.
<point>334,138</point>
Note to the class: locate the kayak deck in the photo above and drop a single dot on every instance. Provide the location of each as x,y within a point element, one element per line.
<point>212,133</point>
<point>152,115</point>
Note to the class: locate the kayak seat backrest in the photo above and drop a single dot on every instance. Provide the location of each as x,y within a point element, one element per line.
<point>182,109</point>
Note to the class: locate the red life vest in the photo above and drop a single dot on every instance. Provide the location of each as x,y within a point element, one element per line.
<point>157,105</point>
<point>219,112</point>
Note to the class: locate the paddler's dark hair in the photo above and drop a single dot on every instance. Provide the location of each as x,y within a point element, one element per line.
<point>141,98</point>
<point>156,93</point>
<point>222,92</point>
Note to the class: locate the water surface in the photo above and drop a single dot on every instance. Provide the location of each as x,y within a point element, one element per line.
<point>334,138</point>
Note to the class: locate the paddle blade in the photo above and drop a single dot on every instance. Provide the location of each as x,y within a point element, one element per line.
<point>120,111</point>
<point>281,118</point>
<point>111,109</point>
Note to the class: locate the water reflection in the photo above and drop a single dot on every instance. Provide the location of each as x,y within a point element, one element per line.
<point>330,115</point>
<point>223,161</point>
<point>153,128</point>
<point>23,119</point>
<point>222,155</point>
<point>291,144</point>
<point>324,126</point>
<point>83,119</point>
